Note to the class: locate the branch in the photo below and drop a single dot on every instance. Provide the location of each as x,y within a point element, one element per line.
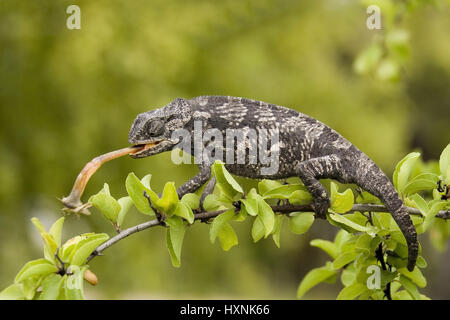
<point>283,209</point>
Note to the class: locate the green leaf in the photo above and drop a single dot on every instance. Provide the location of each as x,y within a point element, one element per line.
<point>375,242</point>
<point>135,189</point>
<point>73,284</point>
<point>331,279</point>
<point>13,292</point>
<point>218,223</point>
<point>397,40</point>
<point>348,275</point>
<point>363,244</point>
<point>85,247</point>
<point>50,245</point>
<point>344,258</point>
<point>277,229</point>
<point>341,238</point>
<point>38,225</point>
<point>184,211</point>
<point>421,262</point>
<point>388,69</point>
<point>107,205</point>
<point>349,225</point>
<point>436,194</point>
<point>368,59</point>
<point>387,277</point>
<point>125,205</point>
<point>222,194</point>
<point>146,181</point>
<point>212,203</point>
<point>366,197</point>
<point>327,246</point>
<point>300,197</point>
<point>403,170</point>
<point>420,204</point>
<point>258,229</point>
<point>169,199</point>
<point>357,218</point>
<point>229,185</point>
<point>51,287</point>
<point>415,276</point>
<point>341,202</point>
<point>268,185</point>
<point>30,286</point>
<point>68,246</point>
<point>191,200</point>
<point>56,231</point>
<point>424,181</point>
<point>174,239</point>
<point>284,191</point>
<point>432,212</point>
<point>401,249</point>
<point>106,189</point>
<point>314,277</point>
<point>267,216</point>
<point>251,205</point>
<point>352,291</point>
<point>436,206</point>
<point>241,215</point>
<point>410,287</point>
<point>299,223</point>
<point>401,295</point>
<point>444,164</point>
<point>227,237</point>
<point>382,220</point>
<point>439,233</point>
<point>34,268</point>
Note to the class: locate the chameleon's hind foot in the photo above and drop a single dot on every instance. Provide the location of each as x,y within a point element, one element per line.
<point>320,168</point>
<point>321,206</point>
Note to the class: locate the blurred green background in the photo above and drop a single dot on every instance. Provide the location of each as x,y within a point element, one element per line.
<point>67,96</point>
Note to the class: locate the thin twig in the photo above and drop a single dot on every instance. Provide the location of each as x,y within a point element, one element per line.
<point>283,209</point>
<point>380,257</point>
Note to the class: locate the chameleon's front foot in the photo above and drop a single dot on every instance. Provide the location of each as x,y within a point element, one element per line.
<point>321,206</point>
<point>160,217</point>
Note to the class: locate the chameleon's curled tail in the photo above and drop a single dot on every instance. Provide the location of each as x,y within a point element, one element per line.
<point>372,179</point>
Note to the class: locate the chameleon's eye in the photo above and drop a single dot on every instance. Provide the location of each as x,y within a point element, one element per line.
<point>155,128</point>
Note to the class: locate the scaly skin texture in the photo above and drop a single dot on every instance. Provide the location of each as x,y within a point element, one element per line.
<point>307,149</point>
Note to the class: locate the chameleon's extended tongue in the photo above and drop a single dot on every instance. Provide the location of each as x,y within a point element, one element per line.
<point>73,202</point>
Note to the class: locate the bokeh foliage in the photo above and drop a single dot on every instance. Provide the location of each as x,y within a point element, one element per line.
<point>69,95</point>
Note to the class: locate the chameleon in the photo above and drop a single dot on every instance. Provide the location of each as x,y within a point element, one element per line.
<point>308,149</point>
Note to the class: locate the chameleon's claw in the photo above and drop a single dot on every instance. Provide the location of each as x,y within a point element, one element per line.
<point>237,205</point>
<point>161,218</point>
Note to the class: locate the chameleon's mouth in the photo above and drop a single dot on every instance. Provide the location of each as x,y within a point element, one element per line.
<point>143,147</point>
<point>148,148</point>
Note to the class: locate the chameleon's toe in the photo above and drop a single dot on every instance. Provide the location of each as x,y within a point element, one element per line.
<point>321,207</point>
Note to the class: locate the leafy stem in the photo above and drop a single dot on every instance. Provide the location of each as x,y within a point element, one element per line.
<point>283,209</point>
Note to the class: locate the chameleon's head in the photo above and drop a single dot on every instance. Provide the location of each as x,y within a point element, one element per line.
<point>154,128</point>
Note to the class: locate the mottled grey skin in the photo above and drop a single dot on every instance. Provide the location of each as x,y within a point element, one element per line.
<point>308,149</point>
